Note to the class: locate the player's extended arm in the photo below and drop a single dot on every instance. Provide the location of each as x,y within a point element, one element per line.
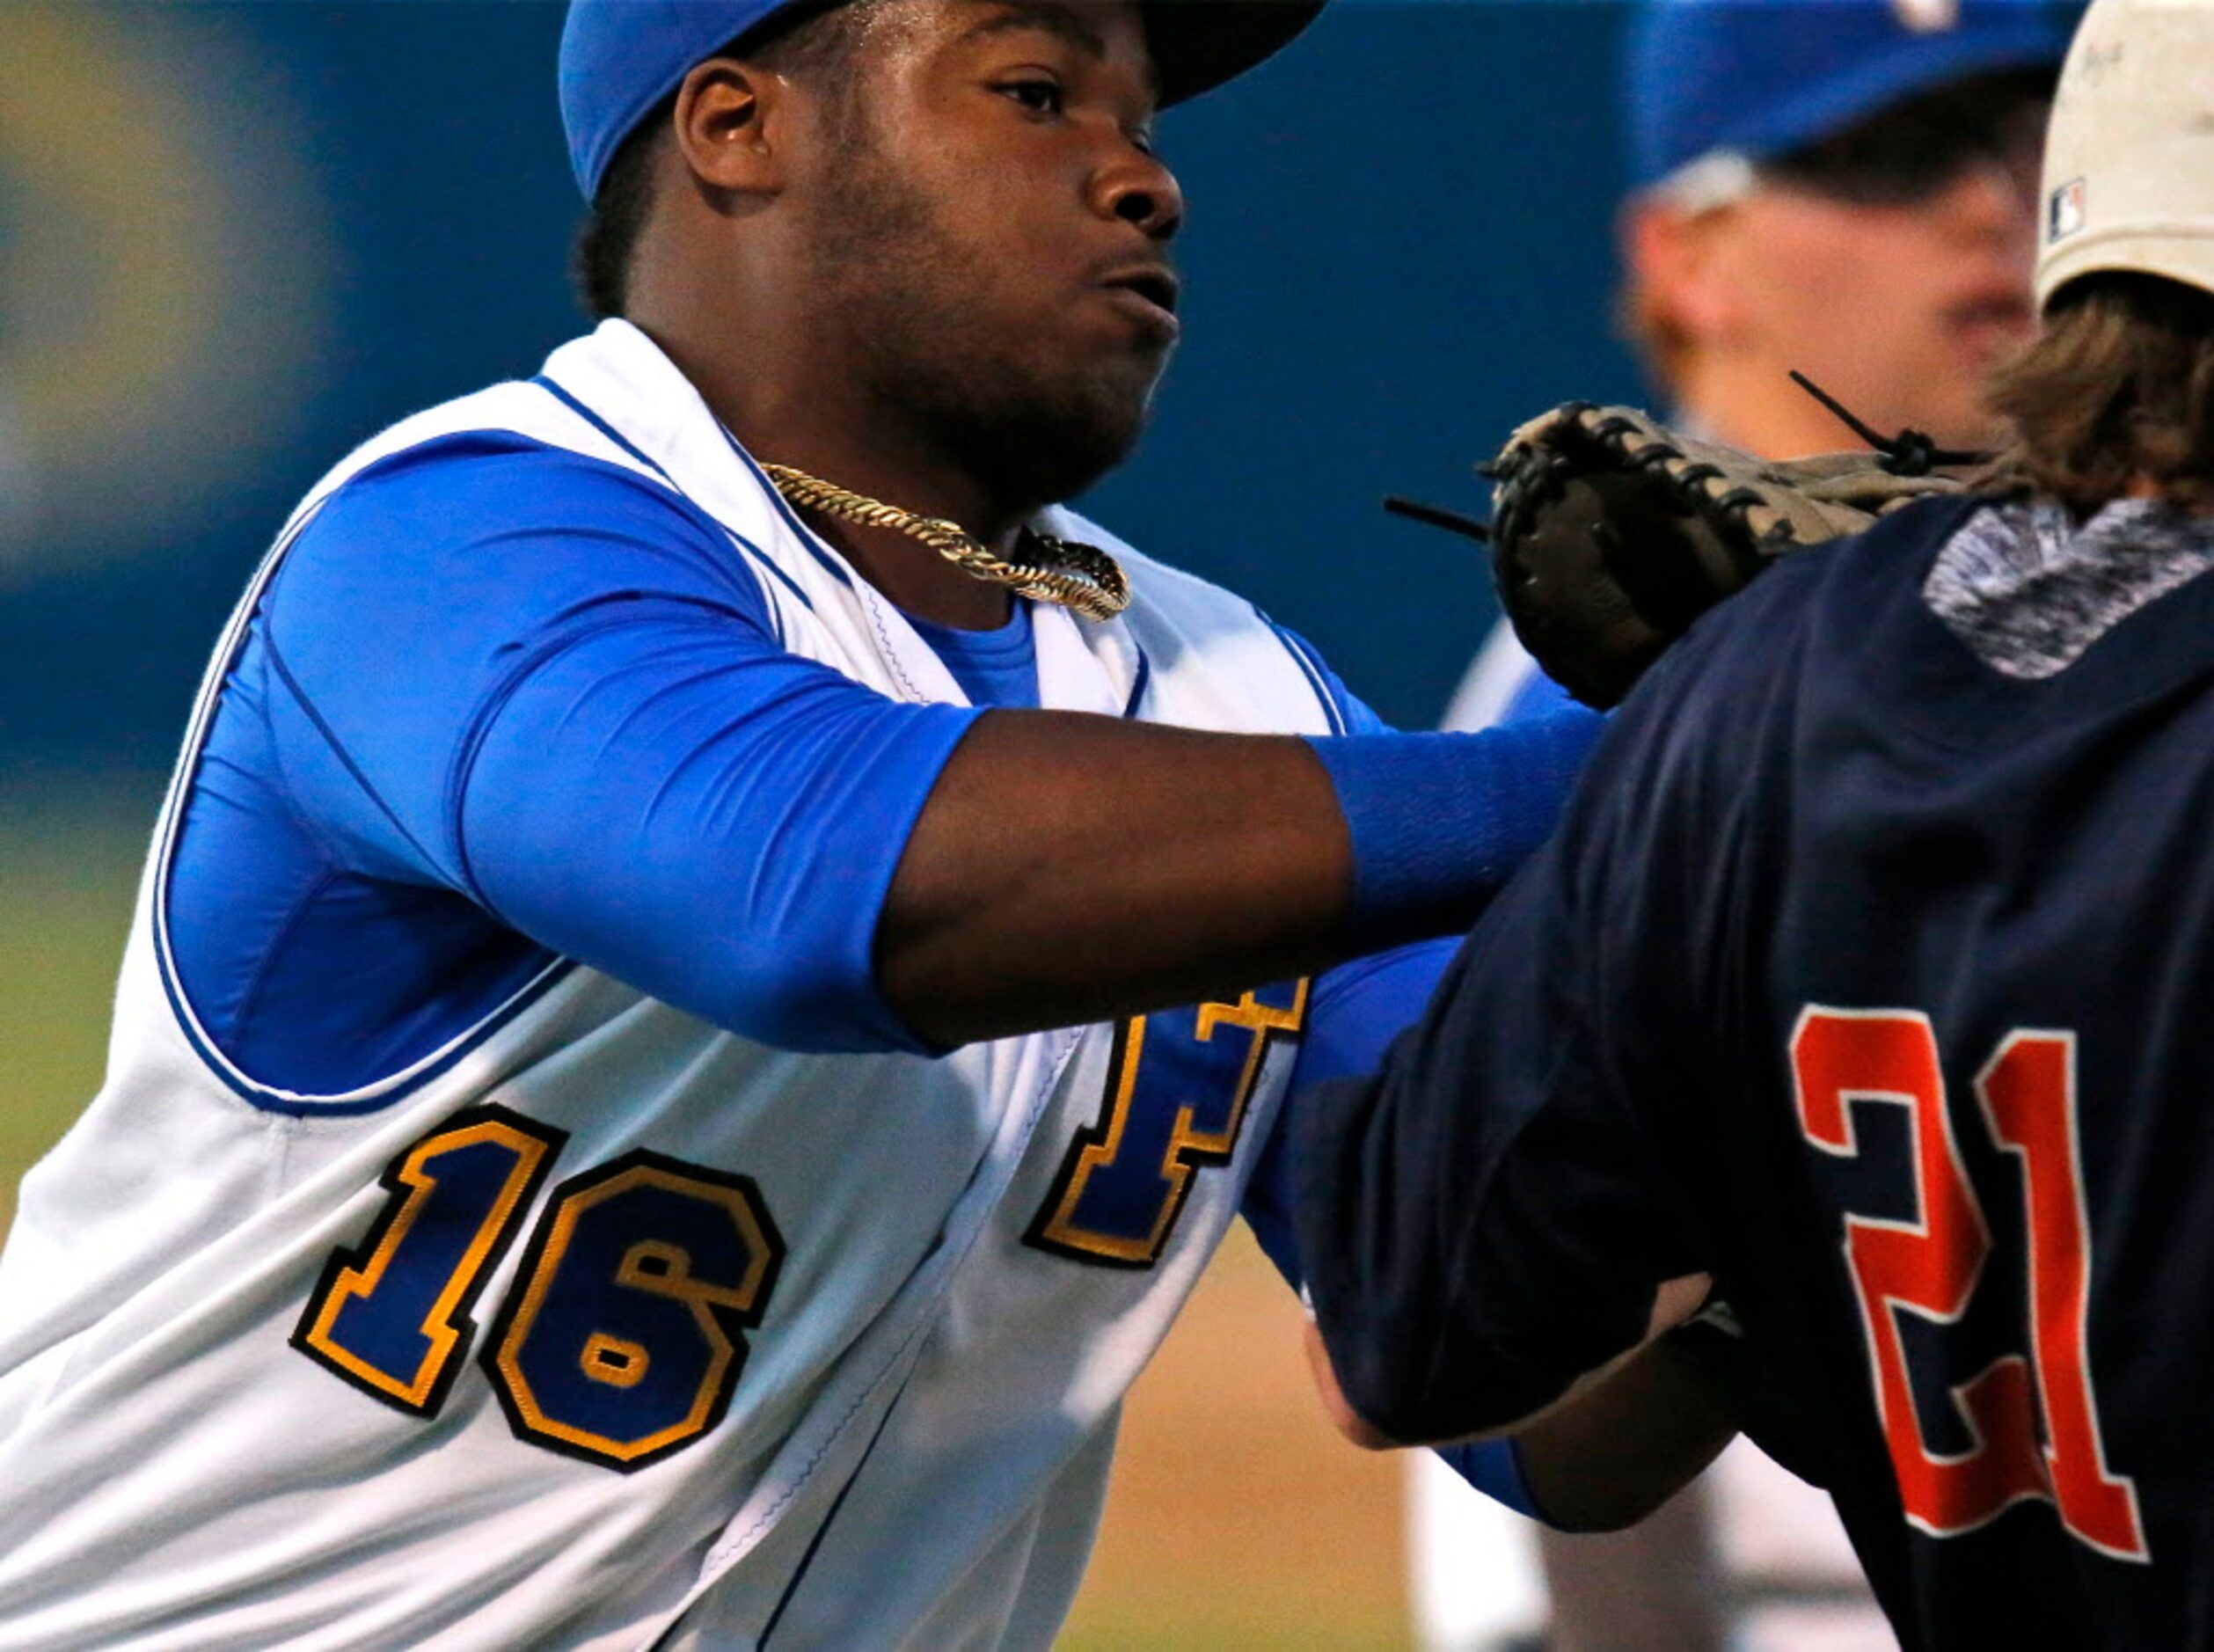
<point>1353,1012</point>
<point>1486,1226</point>
<point>558,690</point>
<point>1621,1441</point>
<point>1598,1461</point>
<point>1070,868</point>
<point>1613,1453</point>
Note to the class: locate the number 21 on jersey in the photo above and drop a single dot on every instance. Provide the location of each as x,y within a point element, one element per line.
<point>1929,1265</point>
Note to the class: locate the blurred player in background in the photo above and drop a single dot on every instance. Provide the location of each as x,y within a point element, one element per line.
<point>1842,188</point>
<point>1877,937</point>
<point>1846,188</point>
<point>692,1022</point>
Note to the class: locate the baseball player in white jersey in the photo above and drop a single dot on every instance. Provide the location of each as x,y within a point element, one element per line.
<point>687,1029</point>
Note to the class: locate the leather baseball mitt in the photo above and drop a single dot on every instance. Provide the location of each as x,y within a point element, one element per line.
<point>1610,533</point>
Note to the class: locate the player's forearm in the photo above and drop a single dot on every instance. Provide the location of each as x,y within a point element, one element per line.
<point>1618,1449</point>
<point>1070,868</point>
<point>1614,1450</point>
<point>1597,1396</point>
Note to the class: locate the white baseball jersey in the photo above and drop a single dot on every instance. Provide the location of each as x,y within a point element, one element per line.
<point>603,1327</point>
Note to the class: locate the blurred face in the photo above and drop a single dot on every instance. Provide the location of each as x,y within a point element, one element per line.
<point>1898,312</point>
<point>990,245</point>
<point>1891,265</point>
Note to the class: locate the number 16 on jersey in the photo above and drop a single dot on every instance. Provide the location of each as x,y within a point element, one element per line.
<point>623,1336</point>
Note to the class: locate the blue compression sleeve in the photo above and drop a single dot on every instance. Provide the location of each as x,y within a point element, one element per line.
<point>1435,818</point>
<point>1494,1468</point>
<point>1441,818</point>
<point>556,687</point>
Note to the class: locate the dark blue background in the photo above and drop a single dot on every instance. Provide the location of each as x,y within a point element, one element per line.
<point>1398,246</point>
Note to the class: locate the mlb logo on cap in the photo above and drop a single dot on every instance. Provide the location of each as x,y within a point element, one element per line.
<point>2063,210</point>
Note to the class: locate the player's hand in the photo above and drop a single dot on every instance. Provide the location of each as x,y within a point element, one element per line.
<point>1342,1416</point>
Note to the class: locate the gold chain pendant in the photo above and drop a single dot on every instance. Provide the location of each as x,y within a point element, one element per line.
<point>1078,576</point>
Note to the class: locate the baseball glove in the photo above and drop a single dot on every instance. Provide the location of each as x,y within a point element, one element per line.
<point>1612,533</point>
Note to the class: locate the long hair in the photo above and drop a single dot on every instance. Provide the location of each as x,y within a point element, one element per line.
<point>2118,389</point>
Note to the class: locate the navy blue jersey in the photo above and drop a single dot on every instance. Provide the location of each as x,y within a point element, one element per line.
<point>1865,979</point>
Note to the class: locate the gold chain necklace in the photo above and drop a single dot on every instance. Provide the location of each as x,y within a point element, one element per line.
<point>1087,579</point>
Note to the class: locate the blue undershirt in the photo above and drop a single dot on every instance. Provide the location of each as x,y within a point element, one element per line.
<point>503,706</point>
<point>997,667</point>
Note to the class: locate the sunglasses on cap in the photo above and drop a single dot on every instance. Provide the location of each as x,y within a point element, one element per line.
<point>1915,150</point>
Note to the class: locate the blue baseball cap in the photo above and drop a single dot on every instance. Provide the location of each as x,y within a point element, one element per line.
<point>619,58</point>
<point>1758,78</point>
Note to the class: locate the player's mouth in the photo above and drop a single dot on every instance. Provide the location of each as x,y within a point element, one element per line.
<point>1146,292</point>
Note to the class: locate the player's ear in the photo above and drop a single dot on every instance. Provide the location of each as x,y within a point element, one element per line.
<point>1677,265</point>
<point>731,124</point>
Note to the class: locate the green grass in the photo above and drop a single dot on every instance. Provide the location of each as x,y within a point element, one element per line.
<point>69,871</point>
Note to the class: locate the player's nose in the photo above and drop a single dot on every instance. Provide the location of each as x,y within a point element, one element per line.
<point>1990,198</point>
<point>1137,187</point>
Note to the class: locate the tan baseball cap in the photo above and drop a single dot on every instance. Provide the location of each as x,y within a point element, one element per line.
<point>2128,181</point>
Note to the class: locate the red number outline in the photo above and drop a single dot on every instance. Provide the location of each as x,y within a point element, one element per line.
<point>2032,1115</point>
<point>1931,1265</point>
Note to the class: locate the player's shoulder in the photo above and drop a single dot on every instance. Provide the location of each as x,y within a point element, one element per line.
<point>475,514</point>
<point>466,511</point>
<point>514,459</point>
<point>1717,728</point>
<point>520,447</point>
<point>460,480</point>
<point>1220,646</point>
<point>1759,641</point>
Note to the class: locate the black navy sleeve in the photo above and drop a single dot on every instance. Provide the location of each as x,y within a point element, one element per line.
<point>1356,1011</point>
<point>1485,1219</point>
